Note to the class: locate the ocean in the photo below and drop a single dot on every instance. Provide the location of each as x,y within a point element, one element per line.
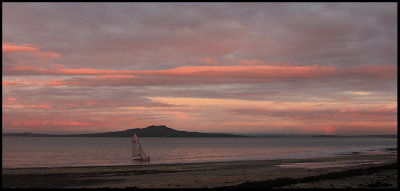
<point>23,152</point>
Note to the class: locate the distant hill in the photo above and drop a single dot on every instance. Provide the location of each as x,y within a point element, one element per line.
<point>150,131</point>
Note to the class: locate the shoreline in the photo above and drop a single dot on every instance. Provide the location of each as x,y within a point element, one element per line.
<point>333,178</point>
<point>201,175</point>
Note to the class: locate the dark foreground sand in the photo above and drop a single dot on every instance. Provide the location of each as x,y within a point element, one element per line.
<point>357,170</point>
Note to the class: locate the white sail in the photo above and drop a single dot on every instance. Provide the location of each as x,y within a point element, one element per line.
<point>137,150</point>
<point>135,146</point>
<point>142,154</point>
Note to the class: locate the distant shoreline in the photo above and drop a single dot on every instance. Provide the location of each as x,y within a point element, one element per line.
<point>230,135</point>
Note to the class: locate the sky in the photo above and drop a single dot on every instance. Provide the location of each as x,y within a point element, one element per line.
<point>271,68</point>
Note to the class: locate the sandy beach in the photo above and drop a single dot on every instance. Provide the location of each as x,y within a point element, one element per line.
<point>376,169</point>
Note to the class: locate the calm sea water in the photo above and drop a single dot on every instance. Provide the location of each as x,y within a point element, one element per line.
<point>21,152</point>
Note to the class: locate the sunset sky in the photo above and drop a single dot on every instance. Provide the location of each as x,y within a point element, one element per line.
<point>292,68</point>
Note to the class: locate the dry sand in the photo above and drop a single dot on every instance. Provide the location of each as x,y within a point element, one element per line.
<point>358,170</point>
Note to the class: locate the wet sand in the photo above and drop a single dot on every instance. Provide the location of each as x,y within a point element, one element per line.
<point>358,170</point>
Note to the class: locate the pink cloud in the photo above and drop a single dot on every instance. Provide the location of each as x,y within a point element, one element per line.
<point>329,130</point>
<point>11,99</point>
<point>47,55</point>
<point>89,102</point>
<point>34,123</point>
<point>9,83</point>
<point>270,71</point>
<point>200,74</point>
<point>12,47</point>
<point>73,123</point>
<point>23,83</point>
<point>58,82</point>
<point>43,106</point>
<point>317,114</point>
<point>31,70</point>
<point>29,49</point>
<point>210,61</point>
<point>15,123</point>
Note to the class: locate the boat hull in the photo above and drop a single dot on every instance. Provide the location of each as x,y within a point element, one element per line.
<point>143,160</point>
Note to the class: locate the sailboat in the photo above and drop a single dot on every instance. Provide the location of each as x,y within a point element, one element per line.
<point>137,150</point>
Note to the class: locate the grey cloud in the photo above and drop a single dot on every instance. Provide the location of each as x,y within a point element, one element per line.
<point>154,34</point>
<point>83,98</point>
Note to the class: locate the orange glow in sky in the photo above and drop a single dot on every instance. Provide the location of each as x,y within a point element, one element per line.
<point>280,68</point>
